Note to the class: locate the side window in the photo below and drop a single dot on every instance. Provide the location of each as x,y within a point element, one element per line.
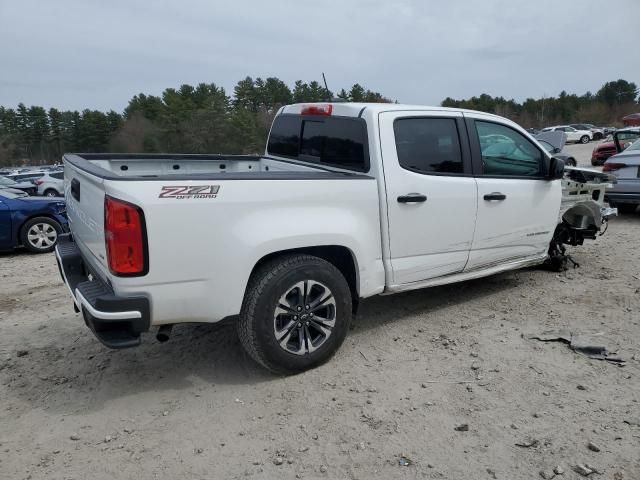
<point>506,152</point>
<point>59,176</point>
<point>428,145</point>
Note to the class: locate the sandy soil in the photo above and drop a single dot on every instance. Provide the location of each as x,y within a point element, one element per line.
<point>414,367</point>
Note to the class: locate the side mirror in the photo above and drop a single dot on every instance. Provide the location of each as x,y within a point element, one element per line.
<point>556,150</point>
<point>556,169</point>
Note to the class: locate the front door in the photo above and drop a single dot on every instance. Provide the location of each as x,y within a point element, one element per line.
<point>517,206</point>
<point>431,193</point>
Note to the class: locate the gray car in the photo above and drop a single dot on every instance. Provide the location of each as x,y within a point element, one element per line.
<point>51,184</point>
<point>625,166</point>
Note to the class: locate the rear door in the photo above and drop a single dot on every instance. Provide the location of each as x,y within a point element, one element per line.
<point>518,207</point>
<point>431,193</point>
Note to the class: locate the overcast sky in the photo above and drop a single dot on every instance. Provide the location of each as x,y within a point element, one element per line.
<point>76,54</point>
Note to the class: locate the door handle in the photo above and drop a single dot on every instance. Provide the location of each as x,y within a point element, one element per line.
<point>495,196</point>
<point>412,198</point>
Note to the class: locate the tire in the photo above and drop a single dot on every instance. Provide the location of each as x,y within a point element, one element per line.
<point>266,333</point>
<point>571,162</point>
<point>626,208</point>
<point>584,139</point>
<point>40,234</point>
<point>50,192</point>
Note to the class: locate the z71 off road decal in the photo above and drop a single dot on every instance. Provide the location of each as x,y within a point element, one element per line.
<point>190,191</point>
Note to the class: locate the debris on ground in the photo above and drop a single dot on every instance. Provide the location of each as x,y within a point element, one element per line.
<point>581,344</point>
<point>593,447</point>
<point>404,461</point>
<point>462,428</point>
<point>528,443</point>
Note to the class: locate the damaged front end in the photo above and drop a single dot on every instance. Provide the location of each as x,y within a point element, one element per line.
<point>582,213</point>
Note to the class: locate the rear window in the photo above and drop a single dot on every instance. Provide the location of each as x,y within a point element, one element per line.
<point>59,176</point>
<point>332,141</point>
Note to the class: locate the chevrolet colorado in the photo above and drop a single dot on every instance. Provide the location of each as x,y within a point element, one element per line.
<point>348,201</point>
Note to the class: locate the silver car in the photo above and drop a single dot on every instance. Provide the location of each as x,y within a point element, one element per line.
<point>51,184</point>
<point>625,166</point>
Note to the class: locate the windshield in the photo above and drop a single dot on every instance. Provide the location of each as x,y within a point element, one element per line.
<point>6,181</point>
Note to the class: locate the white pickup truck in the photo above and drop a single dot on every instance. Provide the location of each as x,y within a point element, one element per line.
<point>349,201</point>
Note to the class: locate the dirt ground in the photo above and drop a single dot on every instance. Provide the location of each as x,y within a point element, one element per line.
<point>393,403</point>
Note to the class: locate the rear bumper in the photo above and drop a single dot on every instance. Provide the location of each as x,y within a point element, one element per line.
<point>116,321</point>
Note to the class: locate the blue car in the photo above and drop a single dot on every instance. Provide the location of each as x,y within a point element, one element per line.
<point>33,222</point>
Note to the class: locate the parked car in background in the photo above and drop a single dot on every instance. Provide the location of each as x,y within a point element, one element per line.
<point>32,222</point>
<point>51,184</point>
<point>602,152</point>
<point>573,135</point>
<point>632,120</point>
<point>27,187</point>
<point>556,152</point>
<point>29,175</point>
<point>553,143</point>
<point>625,166</point>
<point>598,133</point>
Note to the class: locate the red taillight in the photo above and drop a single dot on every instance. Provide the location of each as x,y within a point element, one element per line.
<point>125,237</point>
<point>317,109</point>
<point>612,167</point>
<point>38,182</point>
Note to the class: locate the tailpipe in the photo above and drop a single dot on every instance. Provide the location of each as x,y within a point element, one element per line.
<point>164,332</point>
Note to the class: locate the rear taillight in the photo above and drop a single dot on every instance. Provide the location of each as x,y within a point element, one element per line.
<point>317,109</point>
<point>125,238</point>
<point>612,167</point>
<point>38,182</point>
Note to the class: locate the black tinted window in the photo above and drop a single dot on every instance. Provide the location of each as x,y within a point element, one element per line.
<point>59,176</point>
<point>285,136</point>
<point>506,152</point>
<point>428,145</point>
<point>334,141</point>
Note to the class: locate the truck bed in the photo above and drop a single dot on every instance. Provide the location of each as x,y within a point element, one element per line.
<point>114,166</point>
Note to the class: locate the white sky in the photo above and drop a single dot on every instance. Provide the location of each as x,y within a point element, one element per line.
<point>76,54</point>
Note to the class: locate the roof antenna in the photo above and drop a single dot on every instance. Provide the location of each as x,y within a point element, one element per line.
<point>324,79</point>
<point>329,98</point>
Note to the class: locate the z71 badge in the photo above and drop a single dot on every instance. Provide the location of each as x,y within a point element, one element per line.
<point>190,191</point>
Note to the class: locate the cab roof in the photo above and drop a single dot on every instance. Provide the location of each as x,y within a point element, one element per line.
<point>352,109</point>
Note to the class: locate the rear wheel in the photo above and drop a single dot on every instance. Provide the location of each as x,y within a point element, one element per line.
<point>295,314</point>
<point>51,193</point>
<point>584,139</point>
<point>571,162</point>
<point>40,234</point>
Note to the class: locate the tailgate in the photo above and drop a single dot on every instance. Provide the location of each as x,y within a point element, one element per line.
<point>84,194</point>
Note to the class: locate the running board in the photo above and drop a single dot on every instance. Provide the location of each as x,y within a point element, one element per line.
<point>461,277</point>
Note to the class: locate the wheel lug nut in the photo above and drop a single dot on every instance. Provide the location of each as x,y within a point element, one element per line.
<point>307,323</point>
<point>311,314</point>
<point>299,309</point>
<point>307,307</point>
<point>295,317</point>
<point>299,324</point>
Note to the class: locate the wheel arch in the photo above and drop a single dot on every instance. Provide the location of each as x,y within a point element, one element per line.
<point>339,256</point>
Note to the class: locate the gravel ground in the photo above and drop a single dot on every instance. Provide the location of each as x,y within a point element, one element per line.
<point>437,384</point>
<point>582,153</point>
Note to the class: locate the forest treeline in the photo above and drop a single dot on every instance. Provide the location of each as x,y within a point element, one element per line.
<point>206,119</point>
<point>606,107</point>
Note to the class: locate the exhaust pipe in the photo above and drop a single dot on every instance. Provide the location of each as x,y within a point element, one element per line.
<point>164,332</point>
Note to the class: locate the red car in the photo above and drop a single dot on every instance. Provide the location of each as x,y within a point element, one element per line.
<point>602,152</point>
